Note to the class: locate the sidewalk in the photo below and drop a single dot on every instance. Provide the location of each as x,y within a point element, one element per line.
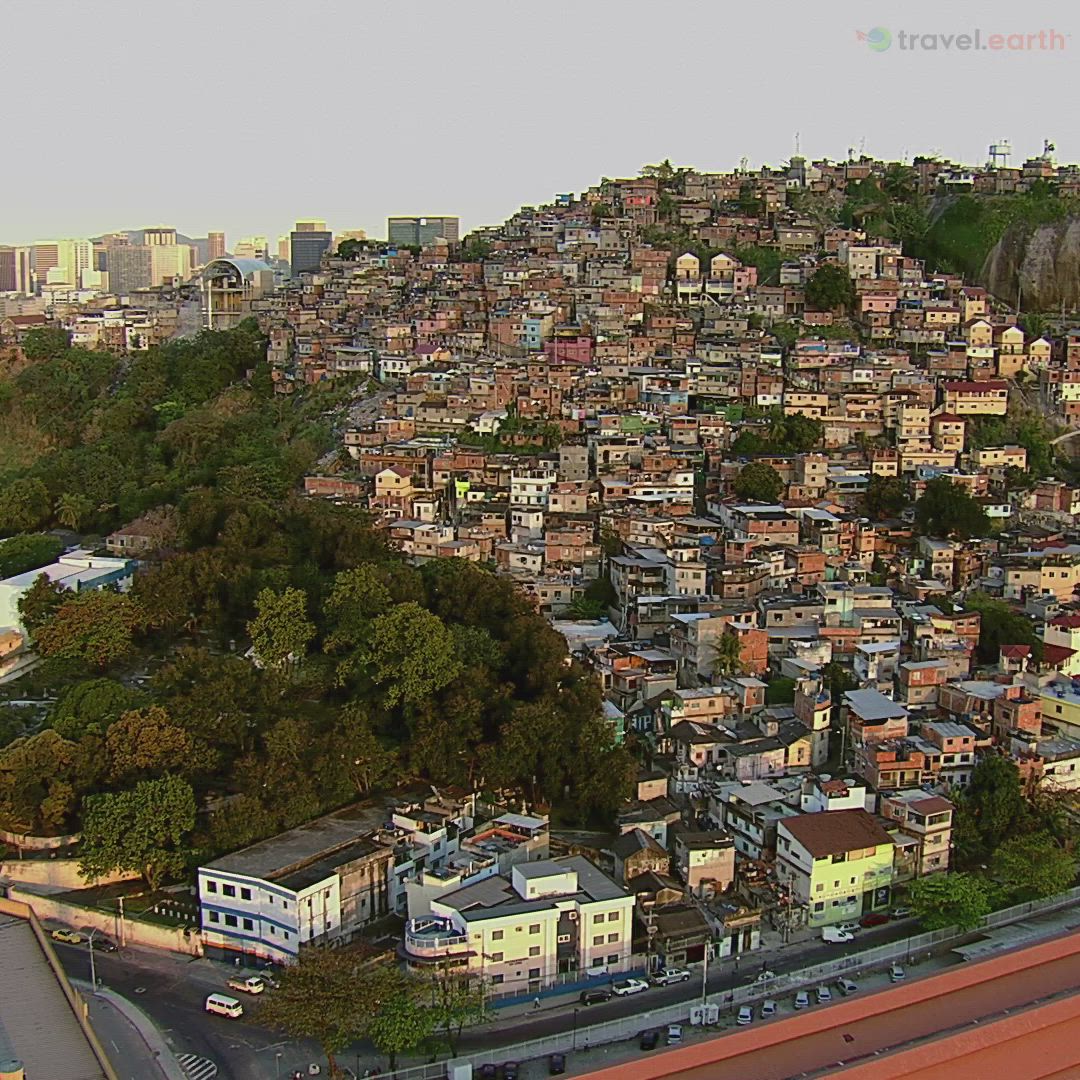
<point>135,1046</point>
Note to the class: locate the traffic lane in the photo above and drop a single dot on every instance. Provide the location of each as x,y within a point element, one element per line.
<point>123,1045</point>
<point>810,1053</point>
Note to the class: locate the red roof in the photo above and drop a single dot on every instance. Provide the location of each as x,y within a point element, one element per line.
<point>1015,652</point>
<point>1056,655</point>
<point>948,418</point>
<point>1067,622</point>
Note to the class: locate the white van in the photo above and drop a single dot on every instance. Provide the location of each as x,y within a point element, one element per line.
<point>224,1006</point>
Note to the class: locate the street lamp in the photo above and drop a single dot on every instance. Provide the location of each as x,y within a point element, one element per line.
<point>574,1043</point>
<point>93,973</point>
<point>277,1064</point>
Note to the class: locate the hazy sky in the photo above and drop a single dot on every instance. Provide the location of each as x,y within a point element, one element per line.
<point>244,116</point>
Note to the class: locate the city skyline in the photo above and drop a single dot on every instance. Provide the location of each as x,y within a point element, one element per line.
<point>560,100</point>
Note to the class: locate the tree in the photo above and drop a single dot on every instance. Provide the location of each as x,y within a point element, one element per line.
<point>403,1020</point>
<point>780,691</point>
<point>837,681</point>
<point>1032,867</point>
<point>727,661</point>
<point>45,343</point>
<point>281,631</point>
<point>991,808</point>
<point>96,626</point>
<point>350,248</point>
<point>885,497</point>
<point>41,602</point>
<point>146,741</point>
<point>411,654</point>
<point>1000,624</point>
<point>24,505</point>
<point>944,900</point>
<point>456,1000</point>
<point>946,509</point>
<point>89,707</point>
<point>829,288</point>
<point>144,829</point>
<point>28,552</point>
<point>759,482</point>
<point>72,508</point>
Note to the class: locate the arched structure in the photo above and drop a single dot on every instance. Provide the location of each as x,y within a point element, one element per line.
<point>228,287</point>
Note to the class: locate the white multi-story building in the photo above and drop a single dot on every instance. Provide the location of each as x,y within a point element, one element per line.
<point>521,931</point>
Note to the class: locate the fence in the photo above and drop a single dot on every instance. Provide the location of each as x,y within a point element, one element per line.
<point>628,1027</point>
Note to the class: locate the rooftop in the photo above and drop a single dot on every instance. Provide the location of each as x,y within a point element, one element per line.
<point>833,832</point>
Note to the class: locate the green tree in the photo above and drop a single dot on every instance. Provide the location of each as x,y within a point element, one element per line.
<point>1000,624</point>
<point>829,288</point>
<point>144,829</point>
<point>411,654</point>
<point>944,900</point>
<point>1032,867</point>
<point>885,497</point>
<point>759,482</point>
<point>402,1021</point>
<point>24,505</point>
<point>97,627</point>
<point>145,743</point>
<point>727,658</point>
<point>72,508</point>
<point>41,602</point>
<point>281,630</point>
<point>780,691</point>
<point>946,509</point>
<point>456,1000</point>
<point>46,343</point>
<point>350,248</point>
<point>90,706</point>
<point>28,552</point>
<point>991,808</point>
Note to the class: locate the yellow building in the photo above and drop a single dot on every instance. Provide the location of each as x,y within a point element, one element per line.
<point>839,864</point>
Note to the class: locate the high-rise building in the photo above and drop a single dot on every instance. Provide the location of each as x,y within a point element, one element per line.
<point>62,262</point>
<point>215,245</point>
<point>283,248</point>
<point>24,271</point>
<point>170,261</point>
<point>7,269</point>
<point>306,247</point>
<point>130,267</point>
<point>418,231</point>
<point>349,234</point>
<point>160,236</point>
<point>310,226</point>
<point>252,247</point>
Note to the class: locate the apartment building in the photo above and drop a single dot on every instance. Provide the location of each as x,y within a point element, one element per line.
<point>923,829</point>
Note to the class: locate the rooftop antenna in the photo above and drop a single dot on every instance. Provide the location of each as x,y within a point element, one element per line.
<point>862,146</point>
<point>743,162</point>
<point>796,144</point>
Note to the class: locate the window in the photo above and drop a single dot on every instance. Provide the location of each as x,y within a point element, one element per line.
<point>534,950</point>
<point>819,906</point>
<point>613,916</point>
<point>285,905</point>
<point>598,961</point>
<point>612,938</point>
<point>496,957</point>
<point>598,918</point>
<point>535,928</point>
<point>245,894</point>
<point>248,924</point>
<point>230,920</point>
<point>562,939</point>
<point>211,886</point>
<point>273,931</point>
<point>287,935</point>
<point>534,973</point>
<point>496,979</point>
<point>613,958</point>
<point>819,887</point>
<point>496,935</point>
<point>213,916</point>
<point>598,940</point>
<point>228,890</point>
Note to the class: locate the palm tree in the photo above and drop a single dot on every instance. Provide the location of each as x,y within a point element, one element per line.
<point>727,661</point>
<point>70,509</point>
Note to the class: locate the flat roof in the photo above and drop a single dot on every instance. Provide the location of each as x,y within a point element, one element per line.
<point>873,705</point>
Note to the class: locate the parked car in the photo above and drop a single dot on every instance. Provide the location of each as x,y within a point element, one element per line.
<point>846,986</point>
<point>823,994</point>
<point>835,935</point>
<point>253,984</point>
<point>594,997</point>
<point>488,1072</point>
<point>897,973</point>
<point>674,1034</point>
<point>849,927</point>
<point>765,976</point>
<point>875,918</point>
<point>901,913</point>
<point>649,1040</point>
<point>746,1016</point>
<point>556,1064</point>
<point>629,986</point>
<point>510,1070</point>
<point>802,999</point>
<point>71,937</point>
<point>669,976</point>
<point>768,1008</point>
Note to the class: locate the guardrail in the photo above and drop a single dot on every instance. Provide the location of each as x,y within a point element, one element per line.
<point>594,1035</point>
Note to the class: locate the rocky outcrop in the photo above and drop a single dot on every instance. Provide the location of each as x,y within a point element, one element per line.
<point>1042,263</point>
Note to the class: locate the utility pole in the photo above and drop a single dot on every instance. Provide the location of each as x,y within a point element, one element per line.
<point>93,973</point>
<point>705,974</point>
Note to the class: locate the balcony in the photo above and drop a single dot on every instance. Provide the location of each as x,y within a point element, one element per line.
<point>434,939</point>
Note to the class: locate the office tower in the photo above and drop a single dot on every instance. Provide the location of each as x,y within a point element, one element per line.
<point>310,226</point>
<point>215,246</point>
<point>7,269</point>
<point>24,271</point>
<point>170,261</point>
<point>62,262</point>
<point>160,236</point>
<point>252,247</point>
<point>418,231</point>
<point>306,247</point>
<point>130,267</point>
<point>283,248</point>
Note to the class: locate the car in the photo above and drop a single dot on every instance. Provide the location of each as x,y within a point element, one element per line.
<point>768,1008</point>
<point>765,976</point>
<point>802,999</point>
<point>669,976</point>
<point>594,997</point>
<point>103,944</point>
<point>510,1070</point>
<point>846,986</point>
<point>835,935</point>
<point>674,1034</point>
<point>649,1040</point>
<point>823,995</point>
<point>556,1064</point>
<point>875,918</point>
<point>629,986</point>
<point>746,1016</point>
<point>849,927</point>
<point>488,1072</point>
<point>252,984</point>
<point>897,973</point>
<point>70,937</point>
<point>901,913</point>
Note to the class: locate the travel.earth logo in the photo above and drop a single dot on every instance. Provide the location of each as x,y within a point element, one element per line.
<point>978,40</point>
<point>877,40</point>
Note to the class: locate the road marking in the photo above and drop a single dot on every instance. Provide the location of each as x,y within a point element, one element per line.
<point>196,1067</point>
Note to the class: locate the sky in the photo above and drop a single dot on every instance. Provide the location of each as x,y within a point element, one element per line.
<point>247,116</point>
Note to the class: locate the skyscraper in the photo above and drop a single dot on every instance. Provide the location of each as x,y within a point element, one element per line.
<point>7,269</point>
<point>16,274</point>
<point>306,246</point>
<point>130,267</point>
<point>216,244</point>
<point>62,262</point>
<point>418,231</point>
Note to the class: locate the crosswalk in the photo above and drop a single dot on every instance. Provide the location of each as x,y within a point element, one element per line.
<point>197,1068</point>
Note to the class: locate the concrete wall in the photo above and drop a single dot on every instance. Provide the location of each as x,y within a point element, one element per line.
<point>61,873</point>
<point>38,843</point>
<point>132,932</point>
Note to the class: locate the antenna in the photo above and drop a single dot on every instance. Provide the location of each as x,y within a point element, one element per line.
<point>796,144</point>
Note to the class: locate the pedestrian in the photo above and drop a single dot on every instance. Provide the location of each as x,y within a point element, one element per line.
<point>536,1002</point>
